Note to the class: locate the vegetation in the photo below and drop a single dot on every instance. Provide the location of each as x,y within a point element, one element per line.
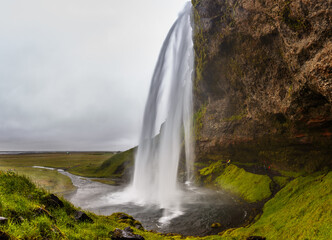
<point>76,163</point>
<point>96,165</point>
<point>198,120</point>
<point>281,181</point>
<point>234,117</point>
<point>31,216</point>
<point>251,187</point>
<point>301,210</point>
<point>52,181</point>
<point>117,165</point>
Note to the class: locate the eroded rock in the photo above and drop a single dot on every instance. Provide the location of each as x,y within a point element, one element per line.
<point>82,217</point>
<point>125,234</point>
<point>53,201</point>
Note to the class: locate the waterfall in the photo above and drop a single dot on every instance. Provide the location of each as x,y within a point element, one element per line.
<point>170,100</point>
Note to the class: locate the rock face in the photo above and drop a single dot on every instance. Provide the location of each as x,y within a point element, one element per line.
<point>263,85</point>
<point>125,234</point>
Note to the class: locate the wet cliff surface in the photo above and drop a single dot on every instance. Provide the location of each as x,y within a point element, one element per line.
<point>263,82</point>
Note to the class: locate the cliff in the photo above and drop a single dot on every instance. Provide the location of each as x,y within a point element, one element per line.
<point>263,82</point>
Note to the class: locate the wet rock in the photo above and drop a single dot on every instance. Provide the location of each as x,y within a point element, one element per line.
<point>3,220</point>
<point>122,216</point>
<point>139,226</point>
<point>125,234</point>
<point>82,217</point>
<point>53,201</point>
<point>4,236</point>
<point>125,218</point>
<point>256,238</point>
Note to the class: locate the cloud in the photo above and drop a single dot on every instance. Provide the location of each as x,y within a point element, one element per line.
<point>74,75</point>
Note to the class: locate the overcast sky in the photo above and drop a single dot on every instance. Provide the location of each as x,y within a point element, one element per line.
<point>74,74</point>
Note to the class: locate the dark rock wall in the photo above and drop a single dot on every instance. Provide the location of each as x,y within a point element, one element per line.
<point>263,85</point>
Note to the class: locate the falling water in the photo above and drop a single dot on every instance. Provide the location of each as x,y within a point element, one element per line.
<point>170,99</point>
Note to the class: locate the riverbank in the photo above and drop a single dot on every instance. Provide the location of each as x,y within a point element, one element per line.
<point>300,210</point>
<point>77,163</point>
<point>291,204</point>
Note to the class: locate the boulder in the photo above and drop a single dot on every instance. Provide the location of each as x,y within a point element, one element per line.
<point>82,217</point>
<point>53,201</point>
<point>125,234</point>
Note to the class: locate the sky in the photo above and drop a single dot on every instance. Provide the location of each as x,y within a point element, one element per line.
<point>75,74</point>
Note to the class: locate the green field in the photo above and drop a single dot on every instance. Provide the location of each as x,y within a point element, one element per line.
<point>77,163</point>
<point>55,160</point>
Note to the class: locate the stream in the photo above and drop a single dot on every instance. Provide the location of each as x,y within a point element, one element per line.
<point>200,209</point>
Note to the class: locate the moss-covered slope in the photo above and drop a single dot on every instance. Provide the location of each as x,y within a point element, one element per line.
<point>301,210</point>
<point>33,213</point>
<point>119,165</point>
<point>249,186</point>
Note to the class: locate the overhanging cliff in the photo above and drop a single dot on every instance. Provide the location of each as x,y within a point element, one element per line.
<point>263,82</point>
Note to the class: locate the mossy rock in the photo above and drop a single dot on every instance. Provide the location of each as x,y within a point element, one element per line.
<point>281,181</point>
<point>301,210</point>
<point>251,187</point>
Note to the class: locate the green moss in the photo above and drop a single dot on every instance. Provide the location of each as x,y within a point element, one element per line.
<point>301,210</point>
<point>195,2</point>
<point>281,181</point>
<point>236,117</point>
<point>214,167</point>
<point>292,174</point>
<point>249,186</point>
<point>198,120</point>
<point>200,42</point>
<point>117,165</point>
<point>19,199</point>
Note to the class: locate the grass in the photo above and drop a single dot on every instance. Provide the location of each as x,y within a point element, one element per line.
<point>249,186</point>
<point>81,163</point>
<point>20,200</point>
<point>52,181</point>
<point>301,210</point>
<point>116,165</point>
<point>95,165</point>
